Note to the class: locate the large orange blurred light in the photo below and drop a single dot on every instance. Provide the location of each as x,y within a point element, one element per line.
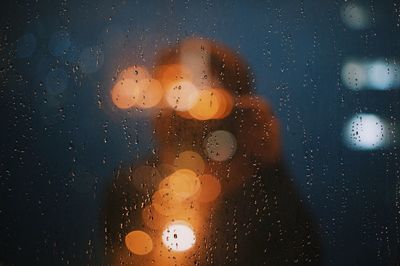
<point>181,95</point>
<point>207,105</point>
<point>123,93</point>
<point>139,242</point>
<point>226,103</point>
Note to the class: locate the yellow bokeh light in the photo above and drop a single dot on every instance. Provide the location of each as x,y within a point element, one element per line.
<point>139,242</point>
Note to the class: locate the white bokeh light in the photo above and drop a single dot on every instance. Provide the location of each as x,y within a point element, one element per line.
<point>178,236</point>
<point>366,132</point>
<point>382,75</point>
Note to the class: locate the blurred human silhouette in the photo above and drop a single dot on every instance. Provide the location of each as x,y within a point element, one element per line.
<point>249,213</point>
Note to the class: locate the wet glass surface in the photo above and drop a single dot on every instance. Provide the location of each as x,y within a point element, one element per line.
<point>200,133</point>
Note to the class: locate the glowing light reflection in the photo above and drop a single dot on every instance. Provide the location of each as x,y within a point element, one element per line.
<point>178,236</point>
<point>366,132</point>
<point>139,242</point>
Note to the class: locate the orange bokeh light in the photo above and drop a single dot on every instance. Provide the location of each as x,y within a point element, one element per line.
<point>149,93</point>
<point>139,242</point>
<point>123,93</point>
<point>207,105</point>
<point>183,183</point>
<point>181,95</point>
<point>226,103</point>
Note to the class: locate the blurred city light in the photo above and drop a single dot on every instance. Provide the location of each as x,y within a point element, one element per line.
<point>355,16</point>
<point>371,74</point>
<point>182,95</point>
<point>220,145</point>
<point>179,236</point>
<point>354,75</point>
<point>149,93</point>
<point>139,242</point>
<point>382,75</point>
<point>366,132</point>
<point>123,93</point>
<point>183,184</point>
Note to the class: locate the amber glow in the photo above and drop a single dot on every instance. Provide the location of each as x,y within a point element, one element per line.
<point>139,242</point>
<point>210,104</point>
